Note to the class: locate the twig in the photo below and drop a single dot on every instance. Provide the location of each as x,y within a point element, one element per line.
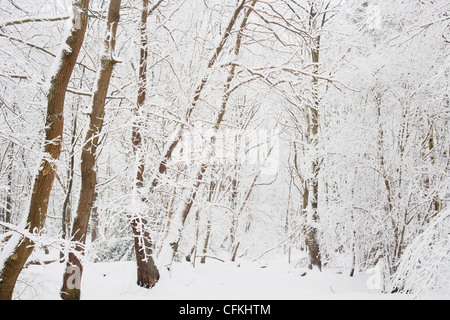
<point>279,244</point>
<point>34,46</point>
<point>27,20</point>
<point>210,257</point>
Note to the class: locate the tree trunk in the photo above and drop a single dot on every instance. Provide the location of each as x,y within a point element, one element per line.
<point>94,219</point>
<point>162,169</point>
<point>66,211</point>
<point>212,188</point>
<point>312,241</point>
<point>9,199</point>
<point>147,272</point>
<point>436,206</point>
<point>88,157</point>
<point>204,166</point>
<point>206,244</point>
<point>37,214</point>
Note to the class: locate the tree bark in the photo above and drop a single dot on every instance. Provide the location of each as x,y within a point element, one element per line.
<point>66,211</point>
<point>94,219</point>
<point>212,188</point>
<point>147,271</point>
<point>9,201</point>
<point>206,243</point>
<point>53,141</point>
<point>6,211</point>
<point>311,193</point>
<point>88,157</point>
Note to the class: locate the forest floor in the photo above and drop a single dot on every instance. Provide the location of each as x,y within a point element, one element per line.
<point>213,281</point>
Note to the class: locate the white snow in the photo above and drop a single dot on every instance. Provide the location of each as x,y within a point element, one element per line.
<point>8,249</point>
<point>64,47</point>
<point>213,281</point>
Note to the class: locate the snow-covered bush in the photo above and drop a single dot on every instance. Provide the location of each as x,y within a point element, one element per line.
<point>425,266</point>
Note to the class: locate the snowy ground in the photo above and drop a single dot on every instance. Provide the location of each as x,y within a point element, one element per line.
<point>213,281</point>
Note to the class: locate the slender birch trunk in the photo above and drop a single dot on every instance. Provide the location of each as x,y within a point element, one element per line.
<point>204,166</point>
<point>235,227</point>
<point>162,168</point>
<point>212,189</point>
<point>67,211</point>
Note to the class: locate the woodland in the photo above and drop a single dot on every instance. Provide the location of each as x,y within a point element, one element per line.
<point>168,132</point>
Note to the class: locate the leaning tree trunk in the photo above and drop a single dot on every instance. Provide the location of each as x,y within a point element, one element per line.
<point>204,166</point>
<point>162,168</point>
<point>22,245</point>
<point>147,271</point>
<point>140,241</point>
<point>88,157</point>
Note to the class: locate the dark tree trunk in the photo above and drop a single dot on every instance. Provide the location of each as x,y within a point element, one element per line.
<point>88,157</point>
<point>53,141</point>
<point>94,220</point>
<point>312,191</point>
<point>147,271</point>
